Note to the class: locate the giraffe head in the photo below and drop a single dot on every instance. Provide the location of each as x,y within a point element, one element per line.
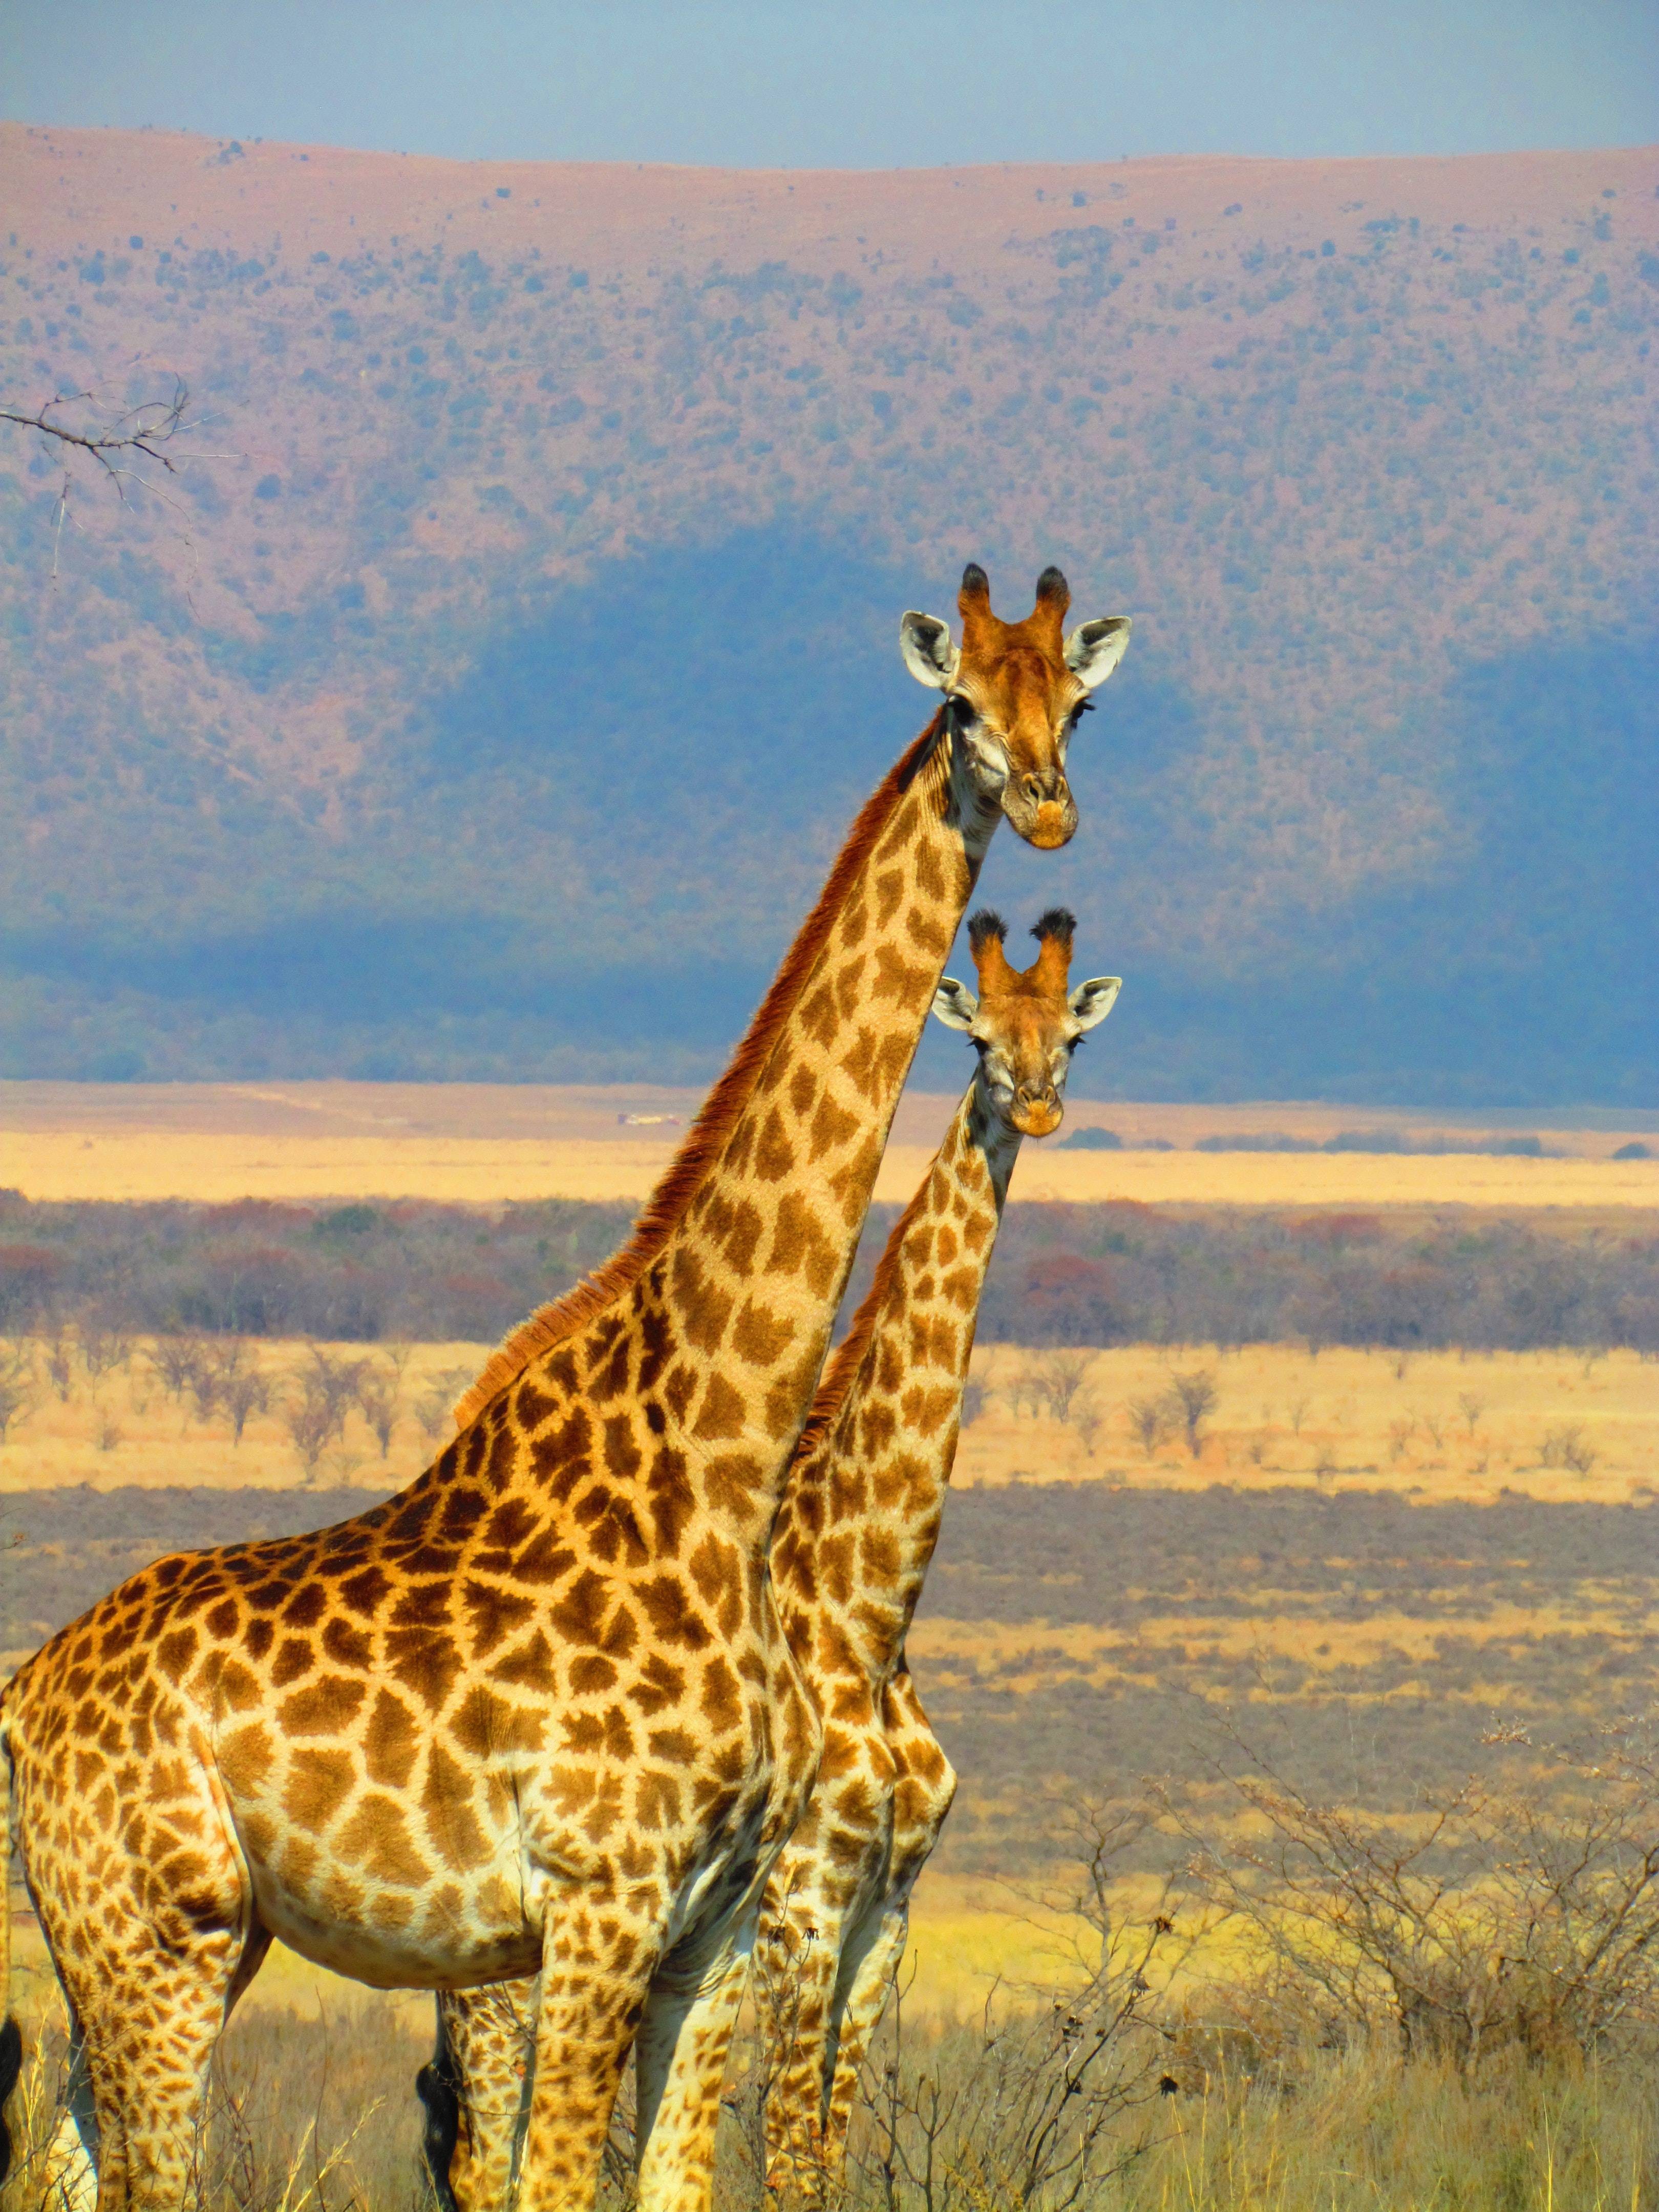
<point>1014,692</point>
<point>1025,1023</point>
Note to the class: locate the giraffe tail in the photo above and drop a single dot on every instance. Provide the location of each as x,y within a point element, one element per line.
<point>11,2036</point>
<point>434,2085</point>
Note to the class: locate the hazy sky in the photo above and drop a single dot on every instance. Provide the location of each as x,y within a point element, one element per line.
<point>793,83</point>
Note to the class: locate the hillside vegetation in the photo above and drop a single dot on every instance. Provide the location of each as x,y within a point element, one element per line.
<point>494,707</point>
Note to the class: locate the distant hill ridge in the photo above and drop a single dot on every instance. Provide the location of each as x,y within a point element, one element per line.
<point>495,710</point>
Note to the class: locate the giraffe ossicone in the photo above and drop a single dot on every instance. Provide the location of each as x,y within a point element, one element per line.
<point>855,1531</point>
<point>536,1711</point>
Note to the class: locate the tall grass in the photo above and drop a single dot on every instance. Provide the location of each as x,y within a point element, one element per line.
<point>317,2115</point>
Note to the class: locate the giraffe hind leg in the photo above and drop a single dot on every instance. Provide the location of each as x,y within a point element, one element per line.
<point>475,2090</point>
<point>149,1978</point>
<point>683,2043</point>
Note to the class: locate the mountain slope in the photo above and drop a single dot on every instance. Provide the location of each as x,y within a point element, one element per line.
<point>494,709</point>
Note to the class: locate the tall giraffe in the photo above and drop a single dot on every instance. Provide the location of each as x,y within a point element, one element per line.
<point>854,1538</point>
<point>855,1531</point>
<point>530,1712</point>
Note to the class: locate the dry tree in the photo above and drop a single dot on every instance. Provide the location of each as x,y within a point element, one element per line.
<point>17,1387</point>
<point>1518,1910</point>
<point>120,444</point>
<point>379,1403</point>
<point>1192,1400</point>
<point>1149,1422</point>
<point>104,1347</point>
<point>1052,2090</point>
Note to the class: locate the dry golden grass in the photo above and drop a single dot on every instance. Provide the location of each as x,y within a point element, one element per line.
<point>124,1427</point>
<point>1431,1425</point>
<point>485,1144</point>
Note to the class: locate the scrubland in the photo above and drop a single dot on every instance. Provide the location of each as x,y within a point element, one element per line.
<point>1430,1426</point>
<point>1309,1627</point>
<point>101,1407</point>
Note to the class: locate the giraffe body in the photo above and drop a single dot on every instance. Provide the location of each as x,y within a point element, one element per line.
<point>535,1713</point>
<point>855,1531</point>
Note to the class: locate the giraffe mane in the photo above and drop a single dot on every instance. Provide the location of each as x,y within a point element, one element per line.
<point>719,1112</point>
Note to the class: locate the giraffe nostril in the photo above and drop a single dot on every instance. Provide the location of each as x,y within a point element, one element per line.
<point>1033,786</point>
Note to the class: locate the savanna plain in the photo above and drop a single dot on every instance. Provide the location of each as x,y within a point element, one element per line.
<point>1292,1629</point>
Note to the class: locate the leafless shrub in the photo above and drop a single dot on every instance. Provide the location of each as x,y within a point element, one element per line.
<point>103,1349</point>
<point>1519,1912</point>
<point>337,1382</point>
<point>309,1420</point>
<point>1568,1447</point>
<point>18,1384</point>
<point>1053,1380</point>
<point>379,1403</point>
<point>1256,1450</point>
<point>1434,1427</point>
<point>109,1435</point>
<point>1192,1400</point>
<point>1299,1414</point>
<point>975,1396</point>
<point>242,1395</point>
<point>177,1361</point>
<point>435,1411</point>
<point>1051,2091</point>
<point>315,1413</point>
<point>59,1349</point>
<point>1471,1406</point>
<point>1149,1422</point>
<point>1400,1434</point>
<point>1402,1362</point>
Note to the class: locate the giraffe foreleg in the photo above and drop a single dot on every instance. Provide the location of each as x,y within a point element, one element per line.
<point>596,1968</point>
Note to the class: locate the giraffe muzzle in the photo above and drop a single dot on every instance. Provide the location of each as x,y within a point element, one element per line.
<point>1040,809</point>
<point>1038,1110</point>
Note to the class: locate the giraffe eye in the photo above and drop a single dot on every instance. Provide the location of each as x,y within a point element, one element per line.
<point>963,709</point>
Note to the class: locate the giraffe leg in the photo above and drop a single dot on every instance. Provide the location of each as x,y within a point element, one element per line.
<point>150,1960</point>
<point>797,1968</point>
<point>475,2090</point>
<point>875,1949</point>
<point>71,2166</point>
<point>596,1976</point>
<point>148,2043</point>
<point>681,2054</point>
<point>924,1785</point>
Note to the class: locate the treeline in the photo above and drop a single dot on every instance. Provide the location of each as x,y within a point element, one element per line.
<point>1117,1273</point>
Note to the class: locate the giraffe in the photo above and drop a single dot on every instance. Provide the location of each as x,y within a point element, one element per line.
<point>854,1536</point>
<point>855,1530</point>
<point>530,1712</point>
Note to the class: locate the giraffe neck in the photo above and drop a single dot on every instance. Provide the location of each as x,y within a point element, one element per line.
<point>712,1336</point>
<point>862,1511</point>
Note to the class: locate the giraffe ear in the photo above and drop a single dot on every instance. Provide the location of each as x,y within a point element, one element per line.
<point>926,649</point>
<point>955,1004</point>
<point>1093,1001</point>
<point>1094,649</point>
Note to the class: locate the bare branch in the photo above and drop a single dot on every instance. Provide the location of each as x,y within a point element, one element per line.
<point>148,429</point>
